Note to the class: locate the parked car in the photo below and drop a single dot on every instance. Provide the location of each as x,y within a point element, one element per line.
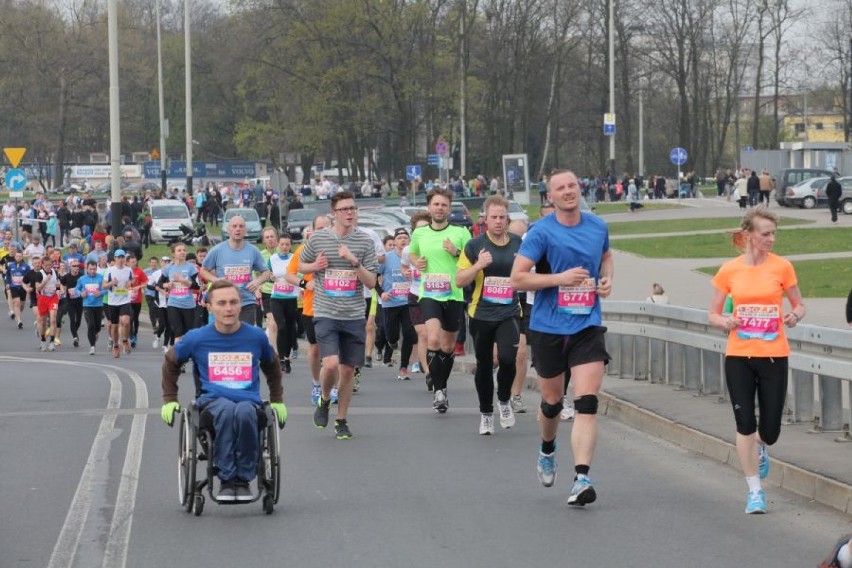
<point>459,215</point>
<point>298,220</point>
<point>106,186</point>
<point>167,216</point>
<point>846,195</point>
<point>254,228</point>
<point>793,176</point>
<point>140,187</point>
<point>395,214</point>
<point>808,194</point>
<point>517,213</point>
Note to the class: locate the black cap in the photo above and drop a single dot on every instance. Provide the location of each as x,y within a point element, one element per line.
<point>400,231</point>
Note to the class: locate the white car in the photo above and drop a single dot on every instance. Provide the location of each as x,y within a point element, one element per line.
<point>808,194</point>
<point>517,213</point>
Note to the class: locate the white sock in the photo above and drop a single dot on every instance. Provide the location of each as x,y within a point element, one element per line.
<point>753,484</point>
<point>844,556</point>
<point>315,383</point>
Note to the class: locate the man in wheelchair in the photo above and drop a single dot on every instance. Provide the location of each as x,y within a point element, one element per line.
<point>228,356</point>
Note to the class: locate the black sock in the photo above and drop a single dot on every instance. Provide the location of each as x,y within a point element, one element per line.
<point>548,447</point>
<point>433,358</point>
<point>447,366</point>
<point>582,469</point>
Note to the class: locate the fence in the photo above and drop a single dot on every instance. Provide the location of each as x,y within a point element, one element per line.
<point>674,345</point>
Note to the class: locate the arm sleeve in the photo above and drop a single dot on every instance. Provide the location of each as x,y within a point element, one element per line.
<point>533,245</point>
<point>171,372</point>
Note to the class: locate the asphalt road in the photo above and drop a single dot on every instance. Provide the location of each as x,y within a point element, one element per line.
<point>89,479</point>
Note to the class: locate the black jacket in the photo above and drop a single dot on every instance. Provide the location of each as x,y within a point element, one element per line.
<point>833,190</point>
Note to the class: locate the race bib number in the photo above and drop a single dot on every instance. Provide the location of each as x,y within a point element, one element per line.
<point>119,292</point>
<point>577,300</point>
<point>72,293</point>
<point>134,296</point>
<point>239,274</point>
<point>400,289</point>
<point>283,289</point>
<point>230,370</point>
<point>179,290</point>
<point>497,290</point>
<point>437,286</point>
<point>92,289</point>
<point>758,321</point>
<point>340,283</point>
<point>17,279</point>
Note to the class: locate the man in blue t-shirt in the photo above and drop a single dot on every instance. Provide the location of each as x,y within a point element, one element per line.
<point>235,260</point>
<point>573,270</point>
<point>227,356</point>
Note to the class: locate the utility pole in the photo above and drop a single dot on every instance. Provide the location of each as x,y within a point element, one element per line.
<point>114,117</point>
<point>163,173</point>
<point>188,60</point>
<point>611,37</point>
<point>462,109</point>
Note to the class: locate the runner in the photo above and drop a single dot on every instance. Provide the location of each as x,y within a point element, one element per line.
<point>574,269</point>
<point>283,298</point>
<point>46,287</point>
<point>178,278</point>
<point>494,311</point>
<point>519,228</point>
<point>344,262</point>
<point>140,283</point>
<point>394,290</point>
<point>306,283</point>
<point>234,260</point>
<point>73,303</point>
<point>90,288</point>
<point>434,251</point>
<point>270,245</point>
<point>757,350</point>
<point>118,279</point>
<point>151,300</point>
<point>15,272</point>
<point>419,219</point>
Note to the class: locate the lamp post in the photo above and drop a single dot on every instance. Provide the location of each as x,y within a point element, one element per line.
<point>188,81</point>
<point>611,41</point>
<point>114,117</point>
<point>163,126</point>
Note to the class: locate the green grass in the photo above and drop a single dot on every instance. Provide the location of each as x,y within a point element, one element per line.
<point>622,207</point>
<point>718,245</point>
<point>682,225</point>
<point>817,278</point>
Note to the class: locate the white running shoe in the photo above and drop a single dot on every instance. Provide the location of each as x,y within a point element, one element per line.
<point>486,425</point>
<point>156,343</point>
<point>165,348</point>
<point>507,417</point>
<point>567,413</point>
<point>51,346</point>
<point>92,350</point>
<point>42,346</point>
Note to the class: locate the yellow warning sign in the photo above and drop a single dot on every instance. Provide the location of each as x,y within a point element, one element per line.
<point>15,155</point>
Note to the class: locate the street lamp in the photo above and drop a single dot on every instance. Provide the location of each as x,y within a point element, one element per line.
<point>163,174</point>
<point>114,117</point>
<point>611,41</point>
<point>188,63</point>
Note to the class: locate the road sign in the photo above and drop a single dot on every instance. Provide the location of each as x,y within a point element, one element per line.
<point>748,149</point>
<point>15,155</point>
<point>441,147</point>
<point>609,130</point>
<point>609,124</point>
<point>412,172</point>
<point>16,180</point>
<point>433,160</point>
<point>678,156</point>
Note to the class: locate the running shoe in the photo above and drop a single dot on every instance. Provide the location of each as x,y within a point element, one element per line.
<point>459,350</point>
<point>165,348</point>
<point>76,342</point>
<point>583,492</point>
<point>42,346</point>
<point>334,393</point>
<point>517,403</point>
<point>133,341</point>
<point>156,343</point>
<point>20,325</point>
<point>369,362</point>
<point>430,386</point>
<point>11,315</point>
<point>756,503</point>
<point>285,364</point>
<point>126,347</point>
<point>316,393</point>
<point>507,417</point>
<point>389,363</point>
<point>762,461</point>
<point>567,413</point>
<point>415,368</point>
<point>321,413</point>
<point>242,492</point>
<point>341,429</point>
<point>546,468</point>
<point>403,375</point>
<point>294,354</point>
<point>51,346</point>
<point>227,492</point>
<point>109,343</point>
<point>486,425</point>
<point>116,352</point>
<point>440,402</point>
<point>57,342</point>
<point>92,350</point>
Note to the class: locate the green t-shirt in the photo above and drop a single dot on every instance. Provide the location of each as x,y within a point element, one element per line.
<point>266,287</point>
<point>438,281</point>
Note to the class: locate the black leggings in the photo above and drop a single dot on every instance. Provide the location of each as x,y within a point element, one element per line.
<point>181,320</point>
<point>74,308</point>
<point>505,334</point>
<point>766,377</point>
<point>284,314</point>
<point>394,318</point>
<point>164,329</point>
<point>93,316</point>
<point>153,312</point>
<point>134,319</point>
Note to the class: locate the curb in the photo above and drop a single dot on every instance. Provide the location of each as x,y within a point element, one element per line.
<point>808,484</point>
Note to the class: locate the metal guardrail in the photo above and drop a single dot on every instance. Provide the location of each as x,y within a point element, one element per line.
<point>675,345</point>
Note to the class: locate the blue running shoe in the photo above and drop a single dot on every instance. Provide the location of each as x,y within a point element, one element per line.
<point>316,393</point>
<point>582,492</point>
<point>546,468</point>
<point>762,461</point>
<point>334,395</point>
<point>756,504</point>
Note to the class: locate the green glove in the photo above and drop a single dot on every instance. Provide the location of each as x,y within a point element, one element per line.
<point>280,411</point>
<point>167,412</point>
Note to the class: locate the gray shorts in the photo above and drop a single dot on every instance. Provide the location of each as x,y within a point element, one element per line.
<point>344,338</point>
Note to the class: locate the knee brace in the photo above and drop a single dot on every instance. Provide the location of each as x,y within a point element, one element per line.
<point>550,410</point>
<point>586,404</point>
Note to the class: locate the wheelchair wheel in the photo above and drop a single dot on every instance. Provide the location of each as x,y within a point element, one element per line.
<point>197,504</point>
<point>272,460</point>
<point>268,504</point>
<point>185,459</point>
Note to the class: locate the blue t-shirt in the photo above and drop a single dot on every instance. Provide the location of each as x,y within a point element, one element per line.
<point>228,364</point>
<point>15,273</point>
<point>180,296</point>
<point>556,248</point>
<point>81,260</point>
<point>91,284</point>
<point>393,282</point>
<point>236,266</point>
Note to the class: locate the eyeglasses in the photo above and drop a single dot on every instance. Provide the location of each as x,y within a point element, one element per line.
<point>347,209</point>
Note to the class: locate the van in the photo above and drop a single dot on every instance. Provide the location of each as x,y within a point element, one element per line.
<point>794,176</point>
<point>167,216</point>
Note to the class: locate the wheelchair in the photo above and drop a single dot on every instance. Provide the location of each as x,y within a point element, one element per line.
<point>197,439</point>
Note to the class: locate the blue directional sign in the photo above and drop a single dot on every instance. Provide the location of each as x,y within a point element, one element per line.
<point>412,172</point>
<point>748,149</point>
<point>678,156</point>
<point>433,160</point>
<point>609,129</point>
<point>16,179</point>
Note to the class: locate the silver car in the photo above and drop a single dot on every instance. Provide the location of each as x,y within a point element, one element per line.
<point>808,194</point>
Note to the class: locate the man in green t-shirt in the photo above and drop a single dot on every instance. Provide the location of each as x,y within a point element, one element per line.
<point>434,251</point>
